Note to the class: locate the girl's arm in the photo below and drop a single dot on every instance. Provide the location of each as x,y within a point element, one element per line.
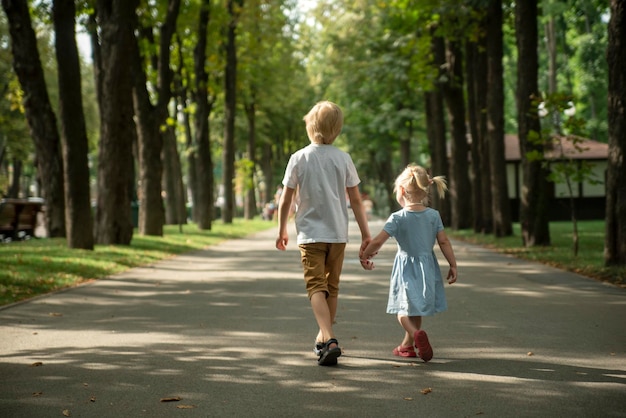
<point>448,253</point>
<point>372,249</point>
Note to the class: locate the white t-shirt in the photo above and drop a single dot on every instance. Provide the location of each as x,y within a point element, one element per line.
<point>321,173</point>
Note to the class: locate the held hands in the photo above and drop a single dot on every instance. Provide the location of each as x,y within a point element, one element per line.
<point>367,264</point>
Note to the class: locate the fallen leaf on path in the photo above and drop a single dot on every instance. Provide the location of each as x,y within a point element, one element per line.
<point>185,406</point>
<point>37,393</point>
<point>426,391</point>
<point>408,399</point>
<point>66,413</point>
<point>36,364</point>
<point>530,353</point>
<point>171,399</point>
<point>92,399</point>
<point>55,314</point>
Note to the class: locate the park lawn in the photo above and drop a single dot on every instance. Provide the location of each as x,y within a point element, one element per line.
<point>560,254</point>
<point>39,266</point>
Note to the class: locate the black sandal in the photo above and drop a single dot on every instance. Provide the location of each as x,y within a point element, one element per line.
<point>328,356</point>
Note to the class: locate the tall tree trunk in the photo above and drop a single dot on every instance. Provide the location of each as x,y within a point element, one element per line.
<point>473,114</point>
<point>78,216</point>
<point>230,92</point>
<point>250,209</point>
<point>203,186</point>
<point>534,198</point>
<point>113,223</point>
<point>615,237</point>
<point>460,187</point>
<point>486,226</point>
<point>495,122</point>
<point>151,119</point>
<point>39,113</point>
<point>175,210</point>
<point>436,129</point>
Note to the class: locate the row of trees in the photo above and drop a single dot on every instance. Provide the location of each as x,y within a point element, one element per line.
<point>195,94</point>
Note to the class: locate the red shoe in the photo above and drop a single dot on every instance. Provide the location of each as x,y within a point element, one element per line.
<point>402,351</point>
<point>423,346</point>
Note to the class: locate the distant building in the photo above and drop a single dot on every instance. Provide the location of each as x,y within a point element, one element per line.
<point>589,197</point>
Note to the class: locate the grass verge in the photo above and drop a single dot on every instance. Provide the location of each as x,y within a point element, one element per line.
<point>39,266</point>
<point>560,254</point>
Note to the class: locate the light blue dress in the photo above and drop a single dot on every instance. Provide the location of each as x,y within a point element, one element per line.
<point>416,286</point>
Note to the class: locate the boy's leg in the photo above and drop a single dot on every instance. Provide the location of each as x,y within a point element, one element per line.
<point>331,301</point>
<point>324,315</point>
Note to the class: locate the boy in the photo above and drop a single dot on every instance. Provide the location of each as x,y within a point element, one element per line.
<point>322,174</point>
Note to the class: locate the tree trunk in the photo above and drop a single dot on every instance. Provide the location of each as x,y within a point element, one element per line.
<point>473,114</point>
<point>436,129</point>
<point>113,214</point>
<point>39,113</point>
<point>460,188</point>
<point>615,238</point>
<point>250,210</point>
<point>495,123</point>
<point>203,186</point>
<point>14,188</point>
<point>534,198</point>
<point>78,216</point>
<point>151,119</point>
<point>175,210</point>
<point>230,103</point>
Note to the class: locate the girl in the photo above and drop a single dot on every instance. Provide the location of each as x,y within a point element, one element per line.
<point>416,288</point>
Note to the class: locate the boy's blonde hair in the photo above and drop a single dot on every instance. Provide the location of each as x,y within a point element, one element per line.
<point>324,122</point>
<point>416,183</point>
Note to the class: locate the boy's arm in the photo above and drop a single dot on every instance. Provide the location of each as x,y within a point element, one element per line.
<point>283,215</point>
<point>448,253</point>
<point>359,214</point>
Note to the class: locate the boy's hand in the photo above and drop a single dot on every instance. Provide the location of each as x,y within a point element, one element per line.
<point>281,242</point>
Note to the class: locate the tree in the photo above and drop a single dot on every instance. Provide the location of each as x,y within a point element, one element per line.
<point>230,109</point>
<point>495,122</point>
<point>113,222</point>
<point>152,120</point>
<point>200,162</point>
<point>459,168</point>
<point>39,113</point>
<point>615,241</point>
<point>78,217</point>
<point>534,198</point>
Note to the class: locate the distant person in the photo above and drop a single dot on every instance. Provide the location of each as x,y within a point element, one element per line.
<point>322,174</point>
<point>416,287</point>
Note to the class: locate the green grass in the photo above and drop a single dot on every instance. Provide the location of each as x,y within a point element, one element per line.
<point>39,266</point>
<point>590,259</point>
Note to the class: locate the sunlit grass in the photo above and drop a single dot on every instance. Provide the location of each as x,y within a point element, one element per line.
<point>590,259</point>
<point>39,266</point>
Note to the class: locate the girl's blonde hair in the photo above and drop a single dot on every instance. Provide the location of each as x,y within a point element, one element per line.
<point>416,183</point>
<point>324,122</point>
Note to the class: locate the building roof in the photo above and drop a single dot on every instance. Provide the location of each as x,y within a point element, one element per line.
<point>586,149</point>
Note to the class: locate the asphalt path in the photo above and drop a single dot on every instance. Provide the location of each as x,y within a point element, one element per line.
<point>228,332</point>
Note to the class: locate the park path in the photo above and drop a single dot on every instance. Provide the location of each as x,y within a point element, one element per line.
<point>229,332</point>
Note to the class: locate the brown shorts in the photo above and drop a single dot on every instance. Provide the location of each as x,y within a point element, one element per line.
<point>322,263</point>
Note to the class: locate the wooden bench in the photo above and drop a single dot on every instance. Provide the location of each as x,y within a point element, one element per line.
<point>18,218</point>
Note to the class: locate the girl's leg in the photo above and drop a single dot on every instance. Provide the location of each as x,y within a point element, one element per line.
<point>411,325</point>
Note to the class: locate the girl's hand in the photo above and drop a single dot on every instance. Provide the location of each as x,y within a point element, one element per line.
<point>367,264</point>
<point>451,275</point>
